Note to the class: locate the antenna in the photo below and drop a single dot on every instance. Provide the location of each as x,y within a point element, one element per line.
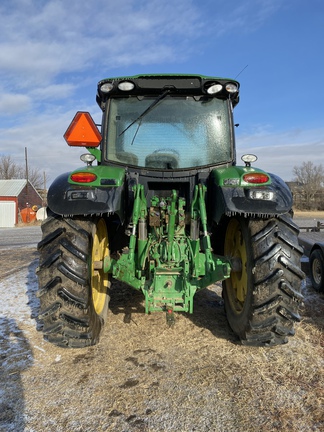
<point>241,71</point>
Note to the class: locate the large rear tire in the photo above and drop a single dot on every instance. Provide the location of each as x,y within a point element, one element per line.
<point>263,294</point>
<point>73,288</point>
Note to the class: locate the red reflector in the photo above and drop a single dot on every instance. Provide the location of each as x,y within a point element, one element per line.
<point>256,178</point>
<point>83,177</point>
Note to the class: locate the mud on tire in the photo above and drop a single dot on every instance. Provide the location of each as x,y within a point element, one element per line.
<point>262,299</point>
<point>66,304</point>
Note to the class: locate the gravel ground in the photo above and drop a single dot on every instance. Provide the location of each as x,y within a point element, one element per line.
<point>144,376</point>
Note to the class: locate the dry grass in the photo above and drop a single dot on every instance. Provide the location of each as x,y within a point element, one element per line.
<point>308,214</point>
<point>194,377</point>
<point>144,376</point>
<point>21,224</point>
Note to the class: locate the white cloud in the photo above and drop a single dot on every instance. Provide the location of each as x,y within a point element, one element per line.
<point>280,152</point>
<point>53,91</point>
<point>48,47</point>
<point>11,103</point>
<point>41,40</point>
<point>242,17</point>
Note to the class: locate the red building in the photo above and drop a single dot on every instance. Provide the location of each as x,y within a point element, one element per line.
<point>16,195</point>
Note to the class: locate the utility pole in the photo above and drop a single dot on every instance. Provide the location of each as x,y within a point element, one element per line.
<point>26,162</point>
<point>44,191</point>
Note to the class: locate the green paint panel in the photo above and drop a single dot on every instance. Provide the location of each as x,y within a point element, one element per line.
<point>233,176</point>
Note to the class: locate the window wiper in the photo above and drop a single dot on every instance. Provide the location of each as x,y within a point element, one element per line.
<point>149,108</point>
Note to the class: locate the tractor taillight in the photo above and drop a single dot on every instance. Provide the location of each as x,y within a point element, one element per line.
<point>256,178</point>
<point>83,177</point>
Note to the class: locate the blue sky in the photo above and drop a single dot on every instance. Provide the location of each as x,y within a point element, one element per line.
<point>53,53</point>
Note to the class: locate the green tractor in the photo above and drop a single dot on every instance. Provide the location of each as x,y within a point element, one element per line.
<point>166,210</point>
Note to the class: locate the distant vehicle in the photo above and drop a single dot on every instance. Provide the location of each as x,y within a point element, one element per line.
<point>316,264</point>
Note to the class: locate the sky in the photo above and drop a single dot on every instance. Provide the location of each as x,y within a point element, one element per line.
<point>53,53</point>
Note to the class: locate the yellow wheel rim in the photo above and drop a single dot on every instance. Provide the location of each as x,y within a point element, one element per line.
<point>99,279</point>
<point>235,247</point>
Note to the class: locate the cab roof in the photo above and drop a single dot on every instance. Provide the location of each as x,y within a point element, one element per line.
<point>155,84</point>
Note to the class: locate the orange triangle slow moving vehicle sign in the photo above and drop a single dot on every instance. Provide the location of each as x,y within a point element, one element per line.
<point>82,131</point>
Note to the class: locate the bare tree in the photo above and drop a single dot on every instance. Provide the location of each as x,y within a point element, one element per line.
<point>36,178</point>
<point>10,170</point>
<point>310,179</point>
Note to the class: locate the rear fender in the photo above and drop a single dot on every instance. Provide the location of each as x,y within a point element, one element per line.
<point>229,195</point>
<point>319,246</point>
<point>105,195</point>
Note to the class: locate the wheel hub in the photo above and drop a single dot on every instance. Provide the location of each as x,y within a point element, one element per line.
<point>317,271</point>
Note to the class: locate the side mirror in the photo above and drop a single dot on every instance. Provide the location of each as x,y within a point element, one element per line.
<point>82,131</point>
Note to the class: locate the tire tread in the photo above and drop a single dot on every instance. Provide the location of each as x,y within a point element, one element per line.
<point>66,310</point>
<point>275,281</point>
